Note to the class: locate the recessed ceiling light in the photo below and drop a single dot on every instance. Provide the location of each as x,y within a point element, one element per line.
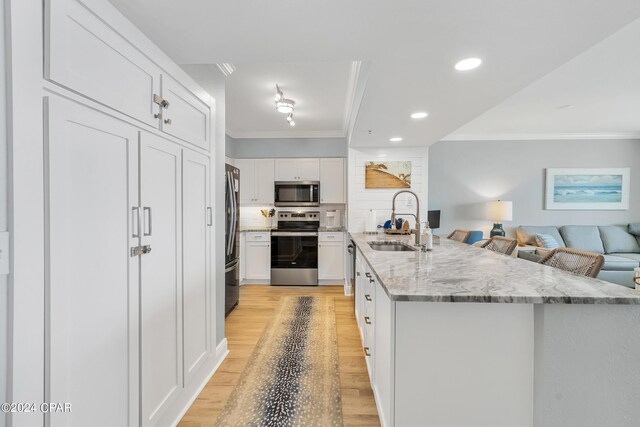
<point>468,64</point>
<point>395,139</point>
<point>420,115</point>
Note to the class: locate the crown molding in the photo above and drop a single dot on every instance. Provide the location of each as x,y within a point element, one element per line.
<point>226,68</point>
<point>352,85</point>
<point>285,134</point>
<point>541,136</point>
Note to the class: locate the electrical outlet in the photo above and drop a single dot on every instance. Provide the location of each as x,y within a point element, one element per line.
<point>4,252</point>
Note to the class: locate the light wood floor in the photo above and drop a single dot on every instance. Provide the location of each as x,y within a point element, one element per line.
<point>244,327</point>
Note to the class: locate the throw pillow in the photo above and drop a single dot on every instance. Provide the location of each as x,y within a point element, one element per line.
<point>547,241</point>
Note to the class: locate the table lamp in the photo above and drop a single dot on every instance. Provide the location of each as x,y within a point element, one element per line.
<point>499,211</point>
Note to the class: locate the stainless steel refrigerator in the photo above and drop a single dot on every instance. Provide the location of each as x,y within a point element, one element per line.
<point>232,238</point>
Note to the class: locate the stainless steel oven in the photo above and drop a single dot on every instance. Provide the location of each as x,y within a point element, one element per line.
<point>294,249</point>
<point>297,193</point>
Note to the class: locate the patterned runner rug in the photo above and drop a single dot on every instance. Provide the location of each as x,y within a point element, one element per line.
<point>292,377</point>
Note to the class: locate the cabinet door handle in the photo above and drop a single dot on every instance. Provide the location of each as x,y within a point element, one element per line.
<point>368,275</point>
<point>167,121</point>
<point>367,352</point>
<point>136,221</point>
<point>367,320</point>
<point>209,216</point>
<point>147,224</point>
<point>371,280</point>
<point>367,297</point>
<point>358,273</point>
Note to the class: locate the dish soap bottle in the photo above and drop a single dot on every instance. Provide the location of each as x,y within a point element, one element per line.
<point>428,238</point>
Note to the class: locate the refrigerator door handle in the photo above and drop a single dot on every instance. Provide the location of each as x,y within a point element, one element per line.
<point>233,267</point>
<point>231,220</point>
<point>234,206</point>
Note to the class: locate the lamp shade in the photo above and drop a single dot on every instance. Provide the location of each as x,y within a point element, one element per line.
<point>501,210</point>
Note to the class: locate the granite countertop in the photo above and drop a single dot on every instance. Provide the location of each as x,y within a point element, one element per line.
<point>255,228</point>
<point>456,272</point>
<point>264,229</point>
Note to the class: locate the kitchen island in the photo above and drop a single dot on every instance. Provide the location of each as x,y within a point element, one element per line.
<point>461,336</point>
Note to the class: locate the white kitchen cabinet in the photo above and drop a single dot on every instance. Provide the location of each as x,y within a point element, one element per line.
<point>247,180</point>
<point>332,182</point>
<point>129,305</point>
<point>197,222</point>
<point>185,115</point>
<point>256,181</point>
<point>297,169</point>
<point>161,275</point>
<point>257,256</point>
<point>331,256</point>
<point>92,307</point>
<point>90,57</point>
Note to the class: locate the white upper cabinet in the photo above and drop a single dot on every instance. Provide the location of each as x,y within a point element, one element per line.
<point>264,179</point>
<point>97,60</point>
<point>256,181</point>
<point>90,57</point>
<point>297,169</point>
<point>185,115</point>
<point>247,180</point>
<point>332,188</point>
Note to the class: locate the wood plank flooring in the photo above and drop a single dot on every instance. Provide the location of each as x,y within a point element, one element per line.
<point>243,329</point>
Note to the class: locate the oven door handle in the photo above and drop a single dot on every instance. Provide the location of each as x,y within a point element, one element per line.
<point>292,234</point>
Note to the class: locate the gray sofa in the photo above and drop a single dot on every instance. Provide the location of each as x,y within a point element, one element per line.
<point>620,245</point>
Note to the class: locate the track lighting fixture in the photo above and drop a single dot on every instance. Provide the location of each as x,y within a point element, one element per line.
<point>284,105</point>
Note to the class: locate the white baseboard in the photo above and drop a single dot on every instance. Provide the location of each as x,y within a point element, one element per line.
<point>193,391</point>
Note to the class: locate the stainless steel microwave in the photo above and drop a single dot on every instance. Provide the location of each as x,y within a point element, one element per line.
<point>297,193</point>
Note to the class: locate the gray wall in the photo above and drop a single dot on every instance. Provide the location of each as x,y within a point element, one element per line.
<point>252,148</point>
<point>229,147</point>
<point>464,175</point>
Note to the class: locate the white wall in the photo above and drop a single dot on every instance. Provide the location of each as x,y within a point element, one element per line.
<point>212,80</point>
<point>362,199</point>
<point>256,148</point>
<point>464,175</point>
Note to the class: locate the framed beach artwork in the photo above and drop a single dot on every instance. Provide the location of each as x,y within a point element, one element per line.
<point>387,174</point>
<point>587,189</point>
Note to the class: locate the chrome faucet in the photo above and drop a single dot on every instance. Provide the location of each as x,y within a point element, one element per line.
<point>415,231</point>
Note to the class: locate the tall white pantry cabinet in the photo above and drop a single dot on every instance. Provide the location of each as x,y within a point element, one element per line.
<point>129,299</point>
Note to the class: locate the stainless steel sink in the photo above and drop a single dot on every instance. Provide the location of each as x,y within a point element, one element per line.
<point>391,246</point>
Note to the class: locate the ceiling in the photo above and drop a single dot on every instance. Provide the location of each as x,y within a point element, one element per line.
<point>323,93</point>
<point>594,95</point>
<point>411,46</point>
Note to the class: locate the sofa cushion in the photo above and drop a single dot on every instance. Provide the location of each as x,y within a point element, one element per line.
<point>582,237</point>
<point>634,257</point>
<point>635,229</point>
<point>527,234</point>
<point>619,263</point>
<point>616,239</point>
<point>546,241</point>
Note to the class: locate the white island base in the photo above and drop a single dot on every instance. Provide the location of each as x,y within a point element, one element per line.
<point>499,364</point>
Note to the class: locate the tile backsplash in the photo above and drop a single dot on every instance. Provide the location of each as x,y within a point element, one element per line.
<point>250,216</point>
